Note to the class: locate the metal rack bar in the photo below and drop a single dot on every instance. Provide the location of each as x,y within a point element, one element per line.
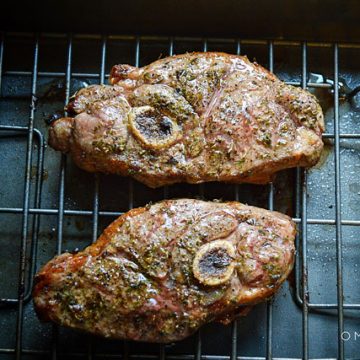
<point>26,201</point>
<point>127,37</point>
<point>269,307</point>
<point>95,218</point>
<point>95,225</point>
<point>59,74</point>
<point>70,212</point>
<point>305,322</point>
<point>234,325</point>
<point>162,352</point>
<point>341,136</point>
<point>198,340</point>
<point>117,213</point>
<point>198,346</point>
<point>61,197</point>
<point>131,182</point>
<point>340,292</point>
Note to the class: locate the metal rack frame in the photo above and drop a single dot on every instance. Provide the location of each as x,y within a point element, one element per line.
<point>301,268</point>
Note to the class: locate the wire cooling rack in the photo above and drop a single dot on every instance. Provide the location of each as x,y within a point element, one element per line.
<point>22,66</point>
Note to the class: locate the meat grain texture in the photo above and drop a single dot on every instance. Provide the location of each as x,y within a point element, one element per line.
<point>192,118</point>
<point>160,272</point>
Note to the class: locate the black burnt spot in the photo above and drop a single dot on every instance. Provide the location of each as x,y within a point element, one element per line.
<point>214,262</point>
<point>154,125</point>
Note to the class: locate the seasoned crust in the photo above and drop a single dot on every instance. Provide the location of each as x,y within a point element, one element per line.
<point>137,282</point>
<point>214,117</point>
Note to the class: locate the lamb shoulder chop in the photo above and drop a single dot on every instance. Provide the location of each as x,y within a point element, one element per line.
<point>191,118</point>
<point>160,272</point>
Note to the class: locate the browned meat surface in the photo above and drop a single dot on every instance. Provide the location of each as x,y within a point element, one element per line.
<point>192,118</point>
<point>159,273</point>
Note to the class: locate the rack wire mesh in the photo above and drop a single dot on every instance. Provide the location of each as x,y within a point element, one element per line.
<point>33,211</point>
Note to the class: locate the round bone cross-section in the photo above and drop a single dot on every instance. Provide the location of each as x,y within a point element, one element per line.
<point>214,263</point>
<point>154,129</point>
